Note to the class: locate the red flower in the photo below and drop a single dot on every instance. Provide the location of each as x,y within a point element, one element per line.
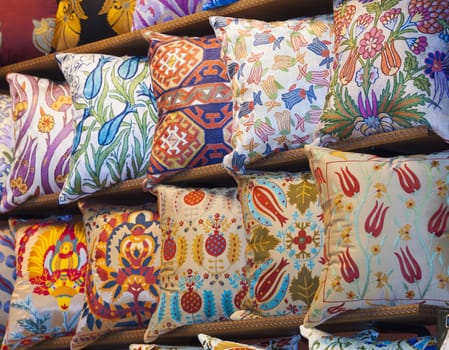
<point>438,222</point>
<point>410,269</point>
<point>349,183</point>
<point>374,223</point>
<point>348,267</point>
<point>408,179</point>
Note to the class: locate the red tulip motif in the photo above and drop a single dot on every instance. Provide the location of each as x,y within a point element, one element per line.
<point>374,222</point>
<point>438,222</point>
<point>410,269</point>
<point>348,268</point>
<point>408,179</point>
<point>349,183</point>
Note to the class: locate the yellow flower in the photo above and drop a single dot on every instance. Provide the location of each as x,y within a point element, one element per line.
<point>350,295</point>
<point>410,294</point>
<point>442,188</point>
<point>382,279</point>
<point>338,201</point>
<point>46,123</point>
<point>443,280</point>
<point>375,249</point>
<point>404,232</point>
<point>377,167</point>
<point>336,284</point>
<point>346,235</point>
<point>410,204</point>
<point>380,189</point>
<point>349,207</point>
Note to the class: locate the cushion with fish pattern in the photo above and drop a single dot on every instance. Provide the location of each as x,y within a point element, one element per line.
<point>114,121</point>
<point>285,234</point>
<point>43,135</point>
<point>203,246</point>
<point>51,263</point>
<point>387,231</point>
<point>26,29</point>
<point>280,75</point>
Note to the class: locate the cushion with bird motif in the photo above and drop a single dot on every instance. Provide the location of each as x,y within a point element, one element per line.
<point>151,12</point>
<point>7,273</point>
<point>6,139</point>
<point>51,264</point>
<point>193,96</point>
<point>203,246</point>
<point>285,234</point>
<point>387,231</point>
<point>123,243</point>
<point>280,75</point>
<point>82,22</point>
<point>114,121</point>
<point>42,115</point>
<point>26,29</point>
<point>391,70</point>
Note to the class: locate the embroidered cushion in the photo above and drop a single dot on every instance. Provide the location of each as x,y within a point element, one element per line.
<point>7,273</point>
<point>51,262</point>
<point>212,343</point>
<point>211,4</point>
<point>6,139</point>
<point>284,229</point>
<point>122,278</point>
<point>43,135</point>
<point>114,121</point>
<point>367,340</point>
<point>203,246</point>
<point>280,74</point>
<point>151,12</point>
<point>26,29</point>
<point>193,96</point>
<point>161,347</point>
<point>387,239</point>
<point>86,21</point>
<point>391,68</point>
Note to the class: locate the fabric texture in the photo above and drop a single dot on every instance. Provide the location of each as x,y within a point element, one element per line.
<point>193,97</point>
<point>122,278</point>
<point>151,12</point>
<point>6,139</point>
<point>82,22</point>
<point>43,135</point>
<point>367,340</point>
<point>213,343</point>
<point>212,4</point>
<point>203,246</point>
<point>285,232</point>
<point>7,273</point>
<point>161,347</point>
<point>280,75</point>
<point>387,239</point>
<point>51,262</point>
<point>113,123</point>
<point>391,70</point>
<point>27,29</point>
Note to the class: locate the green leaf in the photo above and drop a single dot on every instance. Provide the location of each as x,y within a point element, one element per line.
<point>421,82</point>
<point>410,63</point>
<point>304,286</point>
<point>262,243</point>
<point>302,195</point>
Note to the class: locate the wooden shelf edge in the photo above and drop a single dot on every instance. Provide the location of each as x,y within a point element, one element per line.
<point>259,327</point>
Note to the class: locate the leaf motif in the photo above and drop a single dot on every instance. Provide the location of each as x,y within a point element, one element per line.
<point>302,194</point>
<point>181,250</point>
<point>175,310</point>
<point>197,250</point>
<point>262,243</point>
<point>227,303</point>
<point>209,307</point>
<point>304,286</point>
<point>234,248</point>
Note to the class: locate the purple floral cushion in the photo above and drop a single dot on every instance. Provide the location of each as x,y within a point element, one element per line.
<point>150,12</point>
<point>6,139</point>
<point>42,114</point>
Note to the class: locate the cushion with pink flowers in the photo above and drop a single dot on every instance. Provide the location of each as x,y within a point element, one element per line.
<point>280,75</point>
<point>203,247</point>
<point>387,231</point>
<point>391,70</point>
<point>122,291</point>
<point>51,263</point>
<point>43,136</point>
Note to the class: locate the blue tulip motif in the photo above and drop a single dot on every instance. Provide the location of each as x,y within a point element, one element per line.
<point>79,129</point>
<point>109,130</point>
<point>128,68</point>
<point>94,80</point>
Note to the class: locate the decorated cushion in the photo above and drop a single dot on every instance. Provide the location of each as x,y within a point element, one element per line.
<point>161,347</point>
<point>283,220</point>
<point>193,96</point>
<point>7,273</point>
<point>6,139</point>
<point>51,261</point>
<point>43,135</point>
<point>212,343</point>
<point>203,246</point>
<point>113,123</point>
<point>391,69</point>
<point>151,12</point>
<point>82,22</point>
<point>211,4</point>
<point>280,74</point>
<point>387,225</point>
<point>122,277</point>
<point>366,340</point>
<point>26,29</point>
